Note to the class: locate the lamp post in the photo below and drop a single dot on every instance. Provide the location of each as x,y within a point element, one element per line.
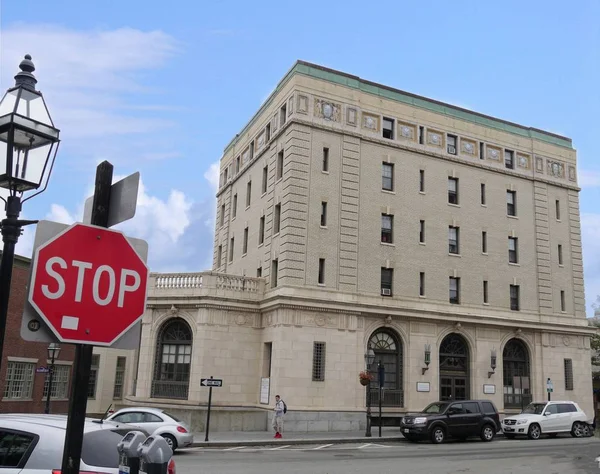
<point>28,145</point>
<point>53,353</point>
<point>369,359</point>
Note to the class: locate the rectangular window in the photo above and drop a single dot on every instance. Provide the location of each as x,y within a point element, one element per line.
<point>481,151</point>
<point>451,145</point>
<point>237,165</point>
<point>515,298</point>
<point>280,165</point>
<point>511,203</point>
<point>422,181</point>
<point>219,255</point>
<point>560,255</point>
<point>557,210</point>
<point>225,175</point>
<point>318,367</point>
<point>422,232</point>
<point>483,194</point>
<point>265,179</point>
<point>261,231</point>
<point>421,135</point>
<point>513,250</point>
<point>454,290</point>
<point>569,374</point>
<point>282,115</point>
<point>422,284</point>
<point>485,292</point>
<point>388,128</point>
<point>19,380</point>
<point>453,240</point>
<point>387,176</point>
<point>274,269</point>
<point>563,304</point>
<point>509,159</point>
<point>222,215</point>
<point>259,272</point>
<point>60,383</point>
<point>323,214</point>
<point>325,159</point>
<point>483,241</point>
<point>251,149</point>
<point>321,271</point>
<point>268,133</point>
<point>231,245</point>
<point>277,219</point>
<point>95,367</point>
<point>453,190</point>
<point>248,193</point>
<point>387,228</point>
<point>245,242</point>
<point>234,210</point>
<point>387,281</point>
<point>119,378</point>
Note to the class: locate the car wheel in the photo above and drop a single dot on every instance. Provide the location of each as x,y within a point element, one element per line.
<point>487,433</point>
<point>438,435</point>
<point>171,441</point>
<point>534,431</point>
<point>509,436</point>
<point>578,430</point>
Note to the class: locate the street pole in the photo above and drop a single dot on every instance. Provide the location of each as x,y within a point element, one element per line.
<point>381,377</point>
<point>50,377</point>
<point>208,412</point>
<point>83,352</point>
<point>368,399</point>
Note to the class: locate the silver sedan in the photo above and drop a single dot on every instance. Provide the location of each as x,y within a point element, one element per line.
<point>156,422</point>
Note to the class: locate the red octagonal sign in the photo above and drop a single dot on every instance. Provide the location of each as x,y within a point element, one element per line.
<point>89,285</point>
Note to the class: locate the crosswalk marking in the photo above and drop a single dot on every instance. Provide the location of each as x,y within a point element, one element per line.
<point>235,448</point>
<point>324,446</point>
<point>280,447</point>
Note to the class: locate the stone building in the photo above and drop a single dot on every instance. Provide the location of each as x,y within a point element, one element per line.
<point>353,215</point>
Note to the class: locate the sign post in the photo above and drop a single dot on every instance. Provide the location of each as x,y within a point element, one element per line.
<point>381,379</point>
<point>210,383</point>
<point>549,388</point>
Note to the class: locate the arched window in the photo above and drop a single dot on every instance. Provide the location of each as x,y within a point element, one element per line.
<point>515,374</point>
<point>173,360</point>
<point>454,368</point>
<point>388,352</point>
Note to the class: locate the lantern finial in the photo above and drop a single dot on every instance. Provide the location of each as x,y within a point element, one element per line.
<point>25,78</point>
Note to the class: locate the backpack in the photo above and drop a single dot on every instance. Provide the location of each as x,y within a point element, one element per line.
<point>284,407</point>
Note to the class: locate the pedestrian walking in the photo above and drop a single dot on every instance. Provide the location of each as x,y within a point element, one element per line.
<point>278,416</point>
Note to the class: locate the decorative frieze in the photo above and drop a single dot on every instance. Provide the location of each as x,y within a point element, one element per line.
<point>539,164</point>
<point>468,147</point>
<point>302,104</point>
<point>327,110</point>
<point>260,140</point>
<point>556,169</point>
<point>407,131</point>
<point>435,138</point>
<point>351,114</point>
<point>493,153</point>
<point>523,161</point>
<point>370,122</point>
<point>572,173</point>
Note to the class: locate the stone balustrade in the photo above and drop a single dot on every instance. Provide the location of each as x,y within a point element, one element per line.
<point>204,284</point>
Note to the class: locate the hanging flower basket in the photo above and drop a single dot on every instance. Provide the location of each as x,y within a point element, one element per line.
<point>365,378</point>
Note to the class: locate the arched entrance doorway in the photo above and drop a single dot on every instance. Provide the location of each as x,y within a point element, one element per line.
<point>516,374</point>
<point>388,351</point>
<point>454,368</point>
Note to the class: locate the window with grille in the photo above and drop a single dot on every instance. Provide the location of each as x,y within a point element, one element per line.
<point>93,375</point>
<point>568,374</point>
<point>318,369</point>
<point>60,383</point>
<point>119,378</point>
<point>453,190</point>
<point>453,240</point>
<point>511,203</point>
<point>19,380</point>
<point>387,224</point>
<point>387,177</point>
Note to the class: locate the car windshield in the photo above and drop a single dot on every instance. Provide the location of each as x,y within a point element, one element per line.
<point>436,408</point>
<point>534,409</point>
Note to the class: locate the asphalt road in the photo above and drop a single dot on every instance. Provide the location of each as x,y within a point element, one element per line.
<point>562,455</point>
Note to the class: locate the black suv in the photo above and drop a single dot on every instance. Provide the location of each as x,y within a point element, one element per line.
<point>459,419</point>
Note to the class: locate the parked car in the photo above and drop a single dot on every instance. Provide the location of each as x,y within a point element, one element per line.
<point>460,419</point>
<point>157,422</point>
<point>33,444</point>
<point>547,418</point>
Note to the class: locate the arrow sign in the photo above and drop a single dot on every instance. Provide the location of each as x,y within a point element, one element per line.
<point>211,382</point>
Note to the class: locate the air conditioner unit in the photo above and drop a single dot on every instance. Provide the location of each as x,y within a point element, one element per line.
<point>452,150</point>
<point>386,291</point>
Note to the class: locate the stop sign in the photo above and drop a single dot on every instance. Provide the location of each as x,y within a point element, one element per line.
<point>89,285</point>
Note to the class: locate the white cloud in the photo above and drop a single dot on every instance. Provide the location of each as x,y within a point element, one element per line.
<point>588,178</point>
<point>212,175</point>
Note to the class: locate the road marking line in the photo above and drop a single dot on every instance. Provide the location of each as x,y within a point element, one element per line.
<point>233,449</point>
<point>280,447</point>
<point>324,446</point>
<point>364,445</point>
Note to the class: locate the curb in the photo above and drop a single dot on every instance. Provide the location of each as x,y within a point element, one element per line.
<point>277,442</point>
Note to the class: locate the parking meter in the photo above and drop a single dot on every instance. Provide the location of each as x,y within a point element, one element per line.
<point>154,454</point>
<point>129,460</point>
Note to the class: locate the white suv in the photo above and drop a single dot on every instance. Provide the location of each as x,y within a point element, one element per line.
<point>547,418</point>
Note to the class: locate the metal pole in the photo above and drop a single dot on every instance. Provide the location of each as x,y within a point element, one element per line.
<point>83,352</point>
<point>380,376</point>
<point>208,411</point>
<point>368,399</point>
<point>50,377</point>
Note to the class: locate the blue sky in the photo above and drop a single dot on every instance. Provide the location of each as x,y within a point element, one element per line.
<point>162,88</point>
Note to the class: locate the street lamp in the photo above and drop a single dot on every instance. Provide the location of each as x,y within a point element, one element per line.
<point>369,359</point>
<point>28,145</point>
<point>53,353</point>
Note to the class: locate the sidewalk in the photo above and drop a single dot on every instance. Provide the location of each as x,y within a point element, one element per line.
<point>226,439</point>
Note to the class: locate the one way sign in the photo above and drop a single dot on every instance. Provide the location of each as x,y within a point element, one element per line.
<point>211,382</point>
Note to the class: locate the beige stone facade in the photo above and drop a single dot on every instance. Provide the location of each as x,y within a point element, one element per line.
<point>347,213</point>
